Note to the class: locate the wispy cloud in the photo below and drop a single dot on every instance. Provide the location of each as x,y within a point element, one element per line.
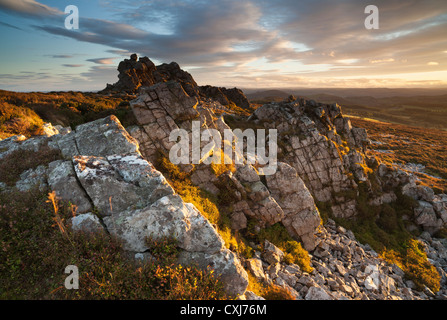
<point>10,26</point>
<point>102,60</point>
<point>60,56</point>
<point>29,8</point>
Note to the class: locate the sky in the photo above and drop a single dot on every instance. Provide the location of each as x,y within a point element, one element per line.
<point>247,44</point>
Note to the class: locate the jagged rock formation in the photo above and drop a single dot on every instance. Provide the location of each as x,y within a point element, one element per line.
<point>165,107</point>
<point>301,215</point>
<point>135,73</point>
<point>309,140</point>
<point>104,170</point>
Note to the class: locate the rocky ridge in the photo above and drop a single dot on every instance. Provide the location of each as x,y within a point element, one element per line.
<point>135,73</point>
<point>321,159</point>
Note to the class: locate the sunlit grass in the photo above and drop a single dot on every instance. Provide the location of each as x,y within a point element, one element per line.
<point>37,243</point>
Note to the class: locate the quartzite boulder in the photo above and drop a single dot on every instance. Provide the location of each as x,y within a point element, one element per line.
<point>301,216</point>
<point>103,170</point>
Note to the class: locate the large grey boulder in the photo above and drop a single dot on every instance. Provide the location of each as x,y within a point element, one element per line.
<point>226,265</point>
<point>104,172</point>
<point>62,179</point>
<point>167,217</point>
<point>301,215</point>
<point>120,182</point>
<point>317,293</point>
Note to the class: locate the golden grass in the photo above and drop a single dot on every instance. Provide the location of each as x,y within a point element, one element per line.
<point>401,144</point>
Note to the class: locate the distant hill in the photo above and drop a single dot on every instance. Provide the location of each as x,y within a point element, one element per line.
<point>356,92</point>
<point>267,93</point>
<point>426,108</point>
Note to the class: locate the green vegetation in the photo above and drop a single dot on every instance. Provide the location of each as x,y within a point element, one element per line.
<point>24,113</point>
<point>36,244</point>
<point>404,144</point>
<point>294,252</point>
<point>12,165</point>
<point>413,261</point>
<point>383,228</point>
<point>380,226</point>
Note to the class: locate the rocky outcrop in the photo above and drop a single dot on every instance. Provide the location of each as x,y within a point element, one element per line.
<point>103,170</point>
<point>301,216</point>
<point>225,96</point>
<point>282,197</point>
<point>108,173</point>
<point>309,141</point>
<point>135,73</point>
<point>431,212</point>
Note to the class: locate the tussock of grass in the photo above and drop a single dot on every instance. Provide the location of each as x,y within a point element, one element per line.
<point>15,120</point>
<point>268,292</point>
<point>294,252</point>
<point>19,161</point>
<point>415,265</point>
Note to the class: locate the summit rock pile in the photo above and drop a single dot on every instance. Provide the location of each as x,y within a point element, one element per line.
<point>135,73</point>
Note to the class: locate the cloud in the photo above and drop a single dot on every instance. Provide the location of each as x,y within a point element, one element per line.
<point>60,56</point>
<point>73,65</point>
<point>10,26</point>
<point>29,8</point>
<point>124,53</point>
<point>281,40</point>
<point>102,60</point>
<point>234,32</point>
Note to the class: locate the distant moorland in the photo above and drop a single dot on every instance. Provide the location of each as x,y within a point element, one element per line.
<point>425,108</point>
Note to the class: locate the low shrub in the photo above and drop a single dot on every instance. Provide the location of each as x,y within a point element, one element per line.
<point>294,252</point>
<point>15,163</point>
<point>268,292</point>
<point>37,244</point>
<point>415,265</point>
<point>16,120</point>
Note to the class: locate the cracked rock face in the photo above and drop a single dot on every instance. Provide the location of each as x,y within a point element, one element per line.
<point>103,170</point>
<point>301,215</point>
<point>166,217</point>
